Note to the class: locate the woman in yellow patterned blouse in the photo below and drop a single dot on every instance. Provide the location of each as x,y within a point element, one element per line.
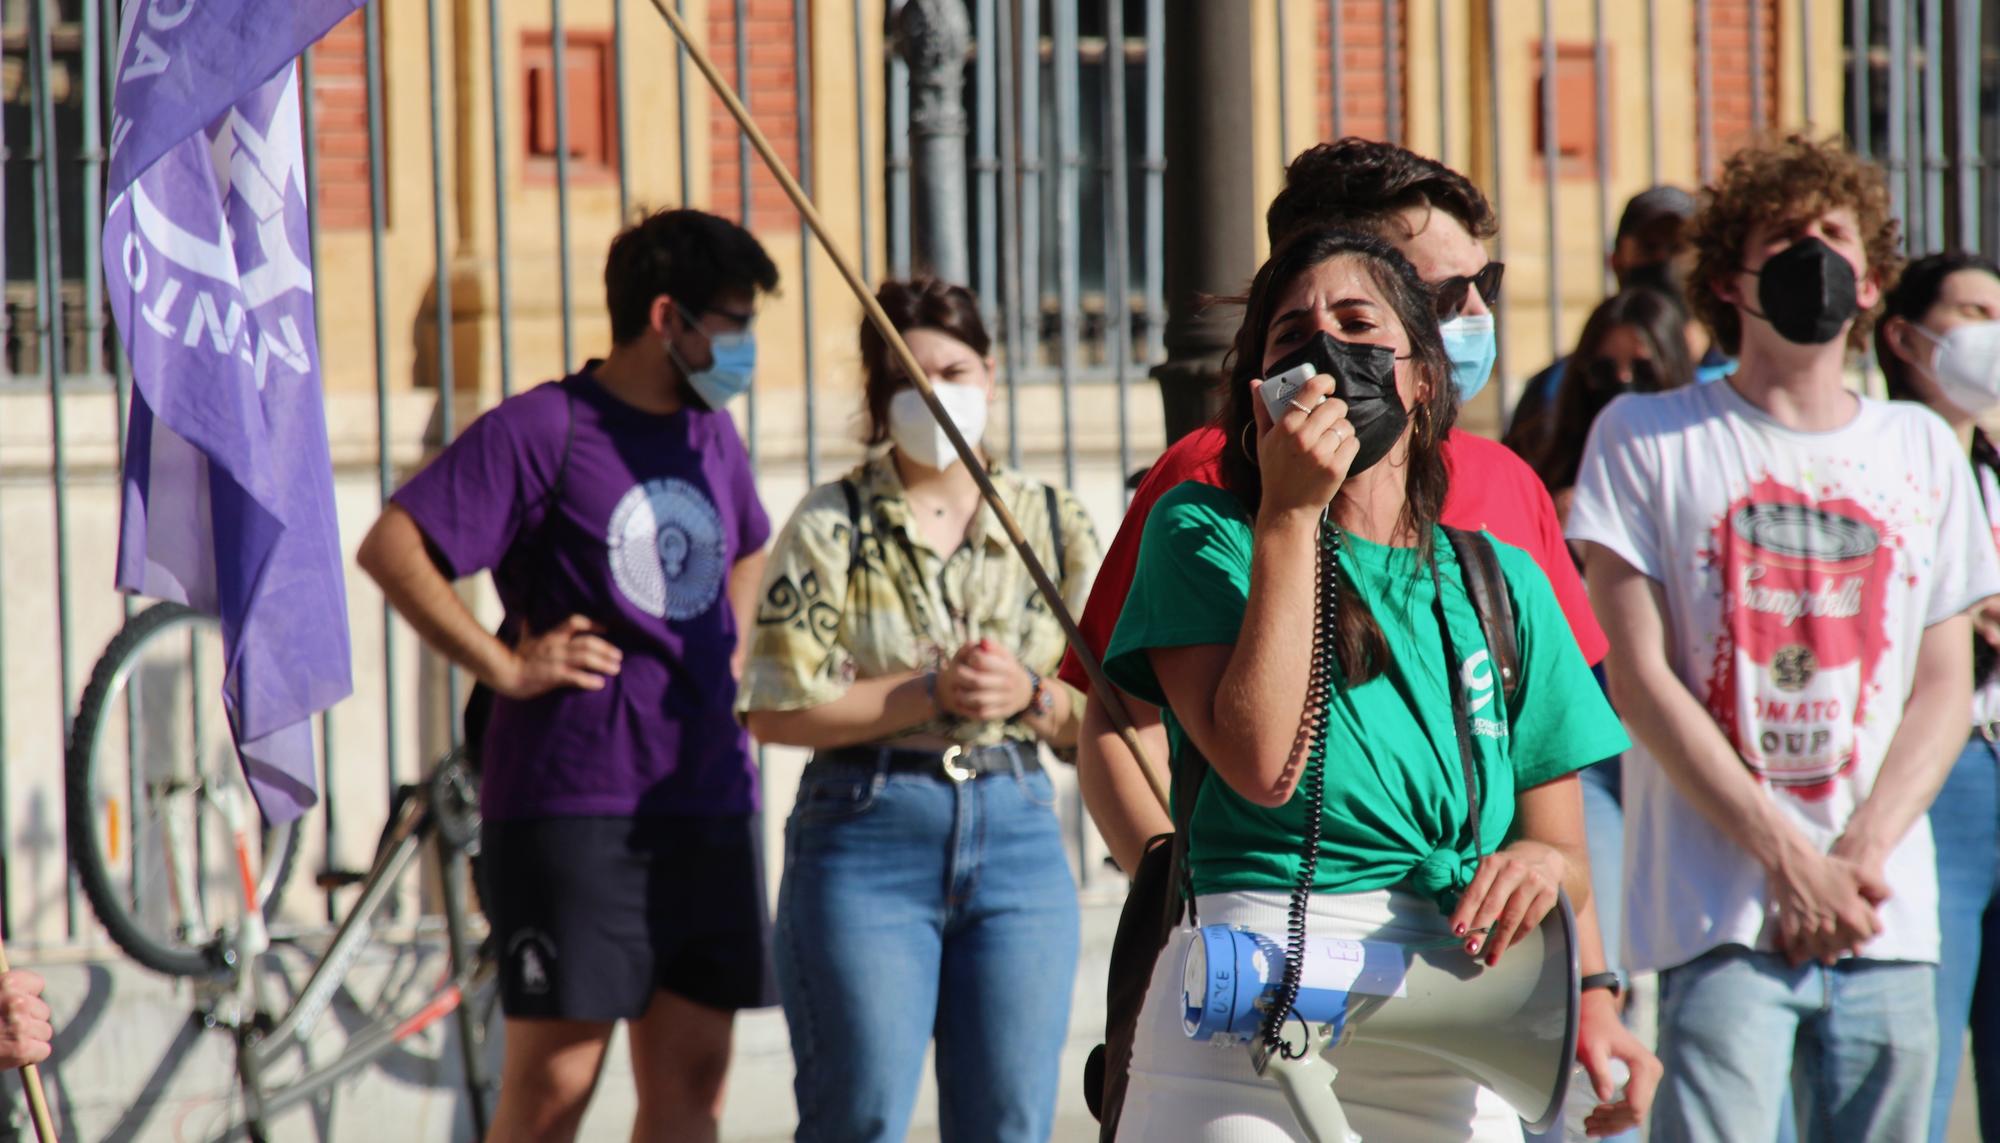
<point>925,890</point>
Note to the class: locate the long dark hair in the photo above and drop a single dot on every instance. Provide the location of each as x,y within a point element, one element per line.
<point>1358,639</point>
<point>1661,323</point>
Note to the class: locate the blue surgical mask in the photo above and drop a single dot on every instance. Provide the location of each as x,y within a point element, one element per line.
<point>728,374</point>
<point>1470,343</point>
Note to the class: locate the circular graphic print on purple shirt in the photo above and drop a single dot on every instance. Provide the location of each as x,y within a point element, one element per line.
<point>668,553</point>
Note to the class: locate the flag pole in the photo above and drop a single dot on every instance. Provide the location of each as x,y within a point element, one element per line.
<point>31,1079</point>
<point>1101,686</point>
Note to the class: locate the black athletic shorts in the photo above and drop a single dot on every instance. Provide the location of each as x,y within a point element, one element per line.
<point>591,916</point>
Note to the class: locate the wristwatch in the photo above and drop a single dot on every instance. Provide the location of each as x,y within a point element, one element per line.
<point>1608,981</point>
<point>1041,697</point>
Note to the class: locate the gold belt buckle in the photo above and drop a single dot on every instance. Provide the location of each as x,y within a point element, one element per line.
<point>951,767</point>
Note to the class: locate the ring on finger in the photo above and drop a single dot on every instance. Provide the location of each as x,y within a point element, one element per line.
<point>1301,406</point>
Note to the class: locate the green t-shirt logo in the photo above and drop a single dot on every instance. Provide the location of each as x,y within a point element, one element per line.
<point>1476,676</point>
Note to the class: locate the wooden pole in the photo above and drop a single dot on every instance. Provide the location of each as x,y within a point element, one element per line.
<point>1101,687</point>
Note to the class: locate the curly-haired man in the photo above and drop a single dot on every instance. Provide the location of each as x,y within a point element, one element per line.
<point>1784,569</point>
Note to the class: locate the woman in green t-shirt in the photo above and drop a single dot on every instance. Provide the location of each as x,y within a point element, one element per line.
<point>1220,631</point>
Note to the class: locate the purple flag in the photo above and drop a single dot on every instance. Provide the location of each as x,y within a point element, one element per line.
<point>228,503</point>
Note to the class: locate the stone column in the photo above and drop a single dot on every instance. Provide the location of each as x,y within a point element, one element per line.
<point>934,37</point>
<point>1211,213</point>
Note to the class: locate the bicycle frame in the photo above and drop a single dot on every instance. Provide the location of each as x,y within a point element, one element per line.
<point>465,976</point>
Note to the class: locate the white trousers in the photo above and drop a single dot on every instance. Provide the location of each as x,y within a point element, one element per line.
<point>1186,1091</point>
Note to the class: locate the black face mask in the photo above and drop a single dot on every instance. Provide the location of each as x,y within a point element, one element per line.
<point>1807,291</point>
<point>1364,376</point>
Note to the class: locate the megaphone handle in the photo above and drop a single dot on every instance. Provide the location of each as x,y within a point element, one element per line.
<point>1308,1086</point>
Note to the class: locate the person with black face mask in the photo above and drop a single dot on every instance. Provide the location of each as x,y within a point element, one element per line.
<point>1785,569</point>
<point>1650,252</point>
<point>1308,629</point>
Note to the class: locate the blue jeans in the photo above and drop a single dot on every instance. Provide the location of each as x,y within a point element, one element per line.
<point>1854,1046</point>
<point>1965,820</point>
<point>914,907</point>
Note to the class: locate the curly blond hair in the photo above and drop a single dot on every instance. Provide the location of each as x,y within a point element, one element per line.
<point>1778,182</point>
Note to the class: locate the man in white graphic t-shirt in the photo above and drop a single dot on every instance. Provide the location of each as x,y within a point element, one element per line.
<point>1784,569</point>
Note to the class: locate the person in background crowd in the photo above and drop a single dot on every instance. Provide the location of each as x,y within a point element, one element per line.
<point>1221,629</point>
<point>1785,570</point>
<point>1634,342</point>
<point>1650,251</point>
<point>1436,218</point>
<point>926,892</point>
<point>618,514</point>
<point>25,1020</point>
<point>1939,343</point>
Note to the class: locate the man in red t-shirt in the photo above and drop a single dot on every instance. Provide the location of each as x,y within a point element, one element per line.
<point>1437,218</point>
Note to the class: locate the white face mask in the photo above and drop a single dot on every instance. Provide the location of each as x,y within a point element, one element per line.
<point>1966,365</point>
<point>918,434</point>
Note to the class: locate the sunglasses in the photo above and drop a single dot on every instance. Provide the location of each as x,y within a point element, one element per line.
<point>1452,293</point>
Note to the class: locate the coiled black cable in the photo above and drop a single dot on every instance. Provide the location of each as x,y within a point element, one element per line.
<point>1319,696</point>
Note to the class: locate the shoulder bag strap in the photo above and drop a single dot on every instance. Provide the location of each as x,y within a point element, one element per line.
<point>1055,530</point>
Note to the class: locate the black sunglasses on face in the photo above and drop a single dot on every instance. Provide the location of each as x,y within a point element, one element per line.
<point>1452,292</point>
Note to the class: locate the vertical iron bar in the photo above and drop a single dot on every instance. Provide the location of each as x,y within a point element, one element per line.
<point>1334,69</point>
<point>861,113</point>
<point>1601,68</point>
<point>1934,160</point>
<point>1118,269</point>
<point>1443,83</point>
<point>899,161</point>
<point>743,93</point>
<point>1495,190</point>
<point>1860,32</point>
<point>378,210</point>
<point>1284,80</point>
<point>1551,174</point>
<point>42,143</point>
<point>680,138</point>
<point>1653,92</point>
<point>447,376</point>
<point>1899,62</point>
<point>1704,41</point>
<point>1755,13</point>
<point>1155,163</point>
<point>1806,65</point>
<point>985,162</point>
<point>92,161</point>
<point>1010,236</point>
<point>503,276</point>
<point>622,138</point>
<point>1028,55</point>
<point>559,81</point>
<point>1069,156</point>
<point>1968,44</point>
<point>1392,83</point>
<point>802,80</point>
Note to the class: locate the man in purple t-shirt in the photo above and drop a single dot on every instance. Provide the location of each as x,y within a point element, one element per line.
<point>617,513</point>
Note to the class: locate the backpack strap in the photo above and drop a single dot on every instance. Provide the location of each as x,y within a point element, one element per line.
<point>1479,566</point>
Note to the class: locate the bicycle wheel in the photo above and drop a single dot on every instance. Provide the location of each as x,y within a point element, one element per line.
<point>151,774</point>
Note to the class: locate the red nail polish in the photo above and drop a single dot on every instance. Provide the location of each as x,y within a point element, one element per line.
<point>1460,930</point>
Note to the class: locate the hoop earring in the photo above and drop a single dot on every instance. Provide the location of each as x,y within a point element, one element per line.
<point>1243,443</point>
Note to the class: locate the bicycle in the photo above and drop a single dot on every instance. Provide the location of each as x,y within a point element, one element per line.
<point>170,856</point>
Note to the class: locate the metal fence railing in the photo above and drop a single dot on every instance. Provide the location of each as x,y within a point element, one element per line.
<point>457,275</point>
